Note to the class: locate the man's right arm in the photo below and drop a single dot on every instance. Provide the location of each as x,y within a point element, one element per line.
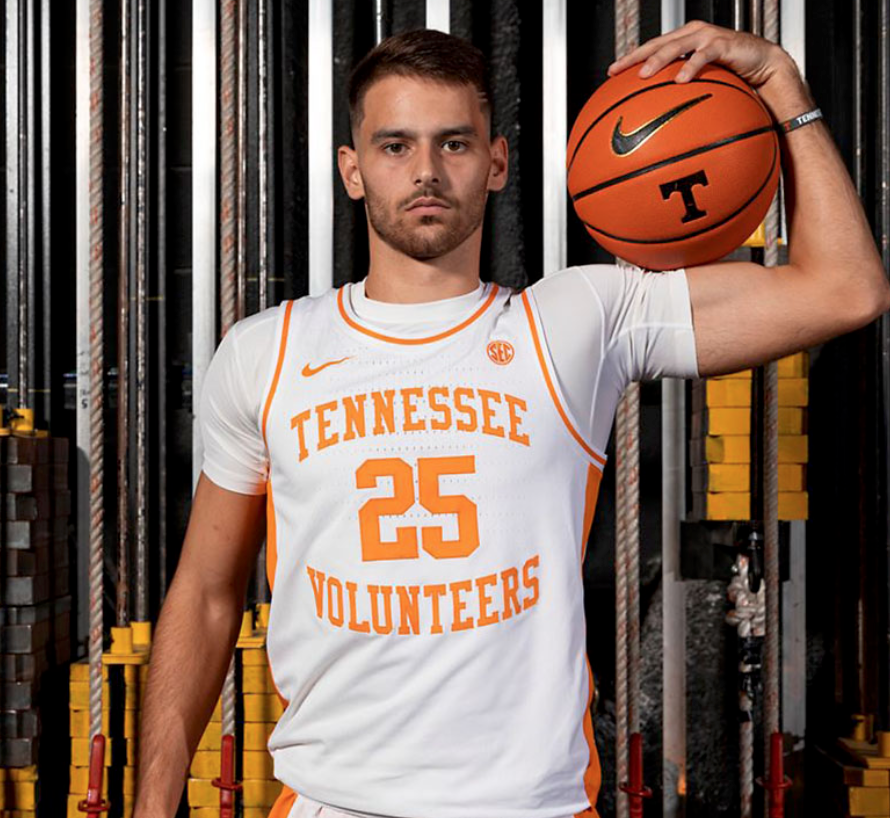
<point>194,640</point>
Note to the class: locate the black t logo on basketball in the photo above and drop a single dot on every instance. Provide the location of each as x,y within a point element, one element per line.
<point>684,188</point>
<point>625,143</point>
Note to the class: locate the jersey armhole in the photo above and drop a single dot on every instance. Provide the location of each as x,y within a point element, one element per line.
<point>595,456</point>
<point>282,326</point>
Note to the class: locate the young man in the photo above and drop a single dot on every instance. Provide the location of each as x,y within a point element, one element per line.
<point>428,450</point>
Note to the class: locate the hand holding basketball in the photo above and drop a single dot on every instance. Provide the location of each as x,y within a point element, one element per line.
<point>754,59</point>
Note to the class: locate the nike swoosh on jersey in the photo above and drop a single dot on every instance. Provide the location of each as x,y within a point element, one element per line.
<point>625,143</point>
<point>309,371</point>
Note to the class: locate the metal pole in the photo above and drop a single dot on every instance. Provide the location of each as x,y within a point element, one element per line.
<point>379,21</point>
<point>97,428</point>
<point>884,324</point>
<point>204,207</point>
<point>123,330</point>
<point>13,184</point>
<point>321,147</point>
<point>554,117</point>
<point>161,340</point>
<point>673,469</point>
<point>45,215</point>
<point>28,158</point>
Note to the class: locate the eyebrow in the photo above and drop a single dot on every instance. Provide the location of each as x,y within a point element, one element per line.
<point>401,133</point>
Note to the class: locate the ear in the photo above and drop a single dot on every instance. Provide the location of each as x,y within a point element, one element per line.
<point>347,162</point>
<point>497,173</point>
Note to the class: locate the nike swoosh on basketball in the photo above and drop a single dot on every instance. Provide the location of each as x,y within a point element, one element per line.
<point>625,143</point>
<point>309,371</point>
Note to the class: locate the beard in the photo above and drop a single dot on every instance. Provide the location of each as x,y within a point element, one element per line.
<point>432,236</point>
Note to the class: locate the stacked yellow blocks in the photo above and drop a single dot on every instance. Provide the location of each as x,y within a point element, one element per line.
<point>261,709</point>
<point>720,449</point>
<point>18,792</point>
<point>128,657</point>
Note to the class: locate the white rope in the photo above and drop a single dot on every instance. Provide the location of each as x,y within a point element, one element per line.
<point>97,337</point>
<point>748,616</point>
<point>771,660</point>
<point>627,534</point>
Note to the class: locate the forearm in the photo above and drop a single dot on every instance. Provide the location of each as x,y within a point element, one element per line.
<point>828,230</point>
<point>190,656</point>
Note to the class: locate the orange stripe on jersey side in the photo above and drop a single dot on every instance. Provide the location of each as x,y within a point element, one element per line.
<point>271,537</point>
<point>283,804</point>
<point>559,408</point>
<point>281,348</point>
<point>381,337</point>
<point>593,773</point>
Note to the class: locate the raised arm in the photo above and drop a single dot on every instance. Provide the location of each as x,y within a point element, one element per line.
<point>834,282</point>
<point>195,637</point>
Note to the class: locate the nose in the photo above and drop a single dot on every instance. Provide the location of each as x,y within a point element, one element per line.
<point>426,166</point>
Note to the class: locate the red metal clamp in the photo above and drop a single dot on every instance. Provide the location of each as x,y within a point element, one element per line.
<point>94,804</point>
<point>635,788</point>
<point>777,782</point>
<point>226,781</point>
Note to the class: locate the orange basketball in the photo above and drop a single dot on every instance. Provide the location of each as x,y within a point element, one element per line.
<point>668,174</point>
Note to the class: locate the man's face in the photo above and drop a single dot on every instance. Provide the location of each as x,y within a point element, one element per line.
<point>424,164</point>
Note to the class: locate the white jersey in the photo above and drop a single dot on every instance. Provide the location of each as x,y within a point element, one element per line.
<point>429,501</point>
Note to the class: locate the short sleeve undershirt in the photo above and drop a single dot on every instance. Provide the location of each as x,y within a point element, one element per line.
<point>605,325</point>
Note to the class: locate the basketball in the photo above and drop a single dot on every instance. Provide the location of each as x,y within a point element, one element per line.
<point>667,174</point>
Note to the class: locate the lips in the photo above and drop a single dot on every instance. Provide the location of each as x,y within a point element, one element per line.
<point>428,204</point>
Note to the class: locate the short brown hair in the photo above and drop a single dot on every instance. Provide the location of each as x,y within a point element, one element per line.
<point>424,53</point>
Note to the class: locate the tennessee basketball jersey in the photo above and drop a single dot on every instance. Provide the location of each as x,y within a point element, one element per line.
<point>429,501</point>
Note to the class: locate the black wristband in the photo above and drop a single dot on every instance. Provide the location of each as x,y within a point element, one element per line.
<point>799,121</point>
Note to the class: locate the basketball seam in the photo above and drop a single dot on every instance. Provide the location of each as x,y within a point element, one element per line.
<point>643,91</point>
<point>703,230</point>
<point>729,140</point>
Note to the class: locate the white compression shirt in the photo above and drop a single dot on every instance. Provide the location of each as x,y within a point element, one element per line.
<point>605,326</point>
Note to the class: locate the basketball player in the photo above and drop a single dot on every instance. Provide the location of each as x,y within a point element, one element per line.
<point>427,450</point>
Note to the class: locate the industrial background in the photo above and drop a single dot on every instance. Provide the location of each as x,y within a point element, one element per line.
<point>168,168</point>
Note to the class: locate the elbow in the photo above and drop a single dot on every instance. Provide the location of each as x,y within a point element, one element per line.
<point>874,301</point>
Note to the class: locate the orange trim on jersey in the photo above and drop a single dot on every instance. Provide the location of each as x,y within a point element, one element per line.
<point>283,804</point>
<point>281,347</point>
<point>271,538</point>
<point>593,773</point>
<point>553,394</point>
<point>392,339</point>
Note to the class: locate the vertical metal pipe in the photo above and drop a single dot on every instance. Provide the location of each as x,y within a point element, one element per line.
<point>555,134</point>
<point>123,329</point>
<point>13,120</point>
<point>673,469</point>
<point>379,21</point>
<point>884,323</point>
<point>45,213</point>
<point>27,209</point>
<point>794,598</point>
<point>204,204</point>
<point>141,268</point>
<point>321,147</point>
<point>96,324</point>
<point>438,15</point>
<point>161,305</point>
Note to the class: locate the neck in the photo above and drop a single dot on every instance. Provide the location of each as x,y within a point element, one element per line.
<point>397,278</point>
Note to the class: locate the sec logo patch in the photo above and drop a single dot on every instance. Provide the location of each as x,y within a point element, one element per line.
<point>501,352</point>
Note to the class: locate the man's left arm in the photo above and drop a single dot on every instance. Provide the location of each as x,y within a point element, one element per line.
<point>745,314</point>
